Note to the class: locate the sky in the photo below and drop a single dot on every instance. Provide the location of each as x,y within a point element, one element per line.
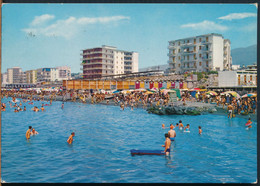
<point>50,35</point>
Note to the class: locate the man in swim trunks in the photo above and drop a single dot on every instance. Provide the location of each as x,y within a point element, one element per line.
<point>70,139</point>
<point>167,144</point>
<point>180,125</point>
<point>230,109</point>
<point>28,133</point>
<point>172,133</point>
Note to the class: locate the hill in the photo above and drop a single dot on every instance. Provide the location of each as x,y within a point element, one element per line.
<point>246,56</point>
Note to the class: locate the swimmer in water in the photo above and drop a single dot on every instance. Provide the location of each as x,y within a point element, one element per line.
<point>180,125</point>
<point>34,132</point>
<point>15,110</point>
<point>249,123</point>
<point>70,139</point>
<point>28,133</point>
<point>167,145</point>
<point>163,126</point>
<point>24,108</point>
<point>172,133</point>
<point>62,105</point>
<point>200,131</point>
<point>42,109</point>
<point>187,128</point>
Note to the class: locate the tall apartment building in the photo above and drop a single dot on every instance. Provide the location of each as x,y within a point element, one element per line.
<point>31,76</point>
<point>107,60</point>
<point>4,79</point>
<point>14,75</point>
<point>200,54</point>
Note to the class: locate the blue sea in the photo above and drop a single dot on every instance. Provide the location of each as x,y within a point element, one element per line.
<point>225,152</point>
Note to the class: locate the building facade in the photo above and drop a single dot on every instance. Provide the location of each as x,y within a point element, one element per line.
<point>202,53</point>
<point>31,76</point>
<point>245,77</point>
<point>47,75</point>
<point>107,60</point>
<point>64,73</point>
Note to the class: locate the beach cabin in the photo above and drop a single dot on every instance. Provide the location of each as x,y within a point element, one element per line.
<point>172,96</point>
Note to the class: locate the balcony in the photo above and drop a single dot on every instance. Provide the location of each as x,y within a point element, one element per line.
<point>187,44</point>
<point>171,47</point>
<point>171,54</point>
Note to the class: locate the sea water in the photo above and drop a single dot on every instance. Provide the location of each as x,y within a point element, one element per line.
<point>225,152</point>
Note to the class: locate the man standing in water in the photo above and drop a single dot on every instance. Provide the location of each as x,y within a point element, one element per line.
<point>230,109</point>
<point>70,139</point>
<point>172,133</point>
<point>167,145</point>
<point>28,133</point>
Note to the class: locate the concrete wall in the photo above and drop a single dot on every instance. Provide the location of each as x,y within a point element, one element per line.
<point>227,78</point>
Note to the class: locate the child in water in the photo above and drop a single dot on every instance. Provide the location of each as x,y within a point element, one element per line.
<point>70,139</point>
<point>187,128</point>
<point>200,131</point>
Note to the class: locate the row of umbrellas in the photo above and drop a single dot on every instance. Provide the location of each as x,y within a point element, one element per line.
<point>165,91</point>
<point>232,93</point>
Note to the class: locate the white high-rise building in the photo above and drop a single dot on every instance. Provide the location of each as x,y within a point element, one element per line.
<point>64,73</point>
<point>14,75</point>
<point>47,75</point>
<point>107,60</point>
<point>202,53</point>
<point>4,78</point>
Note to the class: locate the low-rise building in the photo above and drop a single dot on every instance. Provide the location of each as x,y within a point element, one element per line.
<point>245,77</point>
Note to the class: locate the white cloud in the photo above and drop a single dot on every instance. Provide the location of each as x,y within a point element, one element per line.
<point>41,19</point>
<point>232,16</point>
<point>68,27</point>
<point>205,25</point>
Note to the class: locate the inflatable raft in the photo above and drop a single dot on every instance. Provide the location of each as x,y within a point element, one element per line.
<point>147,152</point>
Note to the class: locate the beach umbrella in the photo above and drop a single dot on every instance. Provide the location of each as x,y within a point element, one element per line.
<point>233,93</point>
<point>249,95</point>
<point>141,89</point>
<point>196,88</point>
<point>162,88</point>
<point>211,93</point>
<point>148,92</point>
<point>117,91</point>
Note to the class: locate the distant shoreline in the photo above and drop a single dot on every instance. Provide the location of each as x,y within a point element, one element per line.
<point>220,110</point>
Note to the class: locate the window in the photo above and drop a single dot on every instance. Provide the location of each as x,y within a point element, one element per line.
<point>200,63</point>
<point>245,78</point>
<point>194,41</point>
<point>251,78</point>
<point>179,57</point>
<point>188,41</point>
<point>179,50</point>
<point>194,49</point>
<point>200,39</point>
<point>238,79</point>
<point>207,39</point>
<point>199,47</point>
<point>179,65</point>
<point>179,43</point>
<point>188,58</point>
<point>200,55</point>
